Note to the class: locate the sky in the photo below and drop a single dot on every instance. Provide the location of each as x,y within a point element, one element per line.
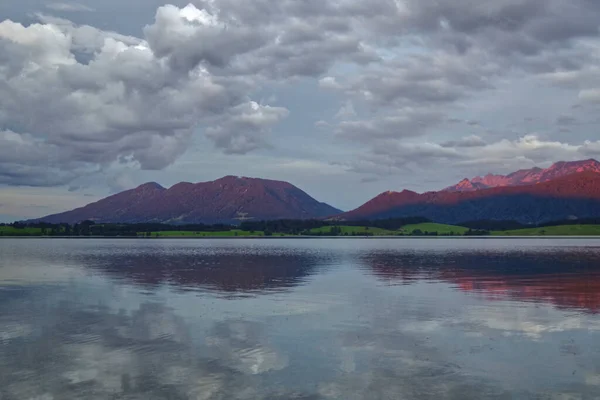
<point>345,99</point>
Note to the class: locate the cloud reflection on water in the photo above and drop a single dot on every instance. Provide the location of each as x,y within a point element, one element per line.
<point>358,321</point>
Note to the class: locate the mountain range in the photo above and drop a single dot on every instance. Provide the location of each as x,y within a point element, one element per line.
<point>566,190</point>
<point>525,176</point>
<point>228,200</point>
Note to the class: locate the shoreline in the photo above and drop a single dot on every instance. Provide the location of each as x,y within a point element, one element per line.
<point>309,237</point>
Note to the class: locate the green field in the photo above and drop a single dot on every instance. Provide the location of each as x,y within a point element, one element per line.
<point>346,230</point>
<point>232,233</point>
<point>441,229</point>
<point>356,230</point>
<point>10,231</point>
<point>561,230</point>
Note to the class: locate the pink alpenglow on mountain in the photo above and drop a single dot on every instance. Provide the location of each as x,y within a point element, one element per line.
<point>526,176</point>
<point>230,199</point>
<point>564,191</point>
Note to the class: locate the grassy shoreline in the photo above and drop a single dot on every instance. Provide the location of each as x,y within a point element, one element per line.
<point>429,230</point>
<point>399,237</point>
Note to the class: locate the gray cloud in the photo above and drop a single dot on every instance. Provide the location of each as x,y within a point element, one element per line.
<point>408,123</point>
<point>246,128</point>
<point>467,141</point>
<point>125,102</point>
<point>393,157</point>
<point>430,79</point>
<point>69,7</point>
<point>186,37</point>
<point>399,71</point>
<point>566,120</point>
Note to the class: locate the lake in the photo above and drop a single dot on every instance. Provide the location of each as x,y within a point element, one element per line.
<point>300,319</point>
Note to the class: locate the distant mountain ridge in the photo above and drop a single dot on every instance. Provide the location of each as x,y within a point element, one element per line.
<point>566,197</point>
<point>229,199</point>
<point>526,176</point>
<point>566,190</point>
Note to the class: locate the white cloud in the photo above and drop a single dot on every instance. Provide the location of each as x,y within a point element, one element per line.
<point>400,71</point>
<point>131,98</point>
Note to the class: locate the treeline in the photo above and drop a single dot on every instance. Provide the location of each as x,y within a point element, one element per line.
<point>90,228</point>
<point>284,226</point>
<point>298,227</point>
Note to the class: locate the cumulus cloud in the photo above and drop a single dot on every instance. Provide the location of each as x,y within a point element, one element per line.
<point>401,70</point>
<point>188,36</point>
<point>136,98</point>
<point>246,128</point>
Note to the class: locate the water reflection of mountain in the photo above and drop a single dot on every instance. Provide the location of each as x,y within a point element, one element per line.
<point>225,272</point>
<point>569,279</point>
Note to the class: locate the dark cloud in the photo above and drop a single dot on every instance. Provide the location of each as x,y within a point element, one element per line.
<point>92,97</point>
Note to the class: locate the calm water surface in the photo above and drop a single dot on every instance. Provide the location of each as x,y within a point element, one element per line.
<point>300,319</point>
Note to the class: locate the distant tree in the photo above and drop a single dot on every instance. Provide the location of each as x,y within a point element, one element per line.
<point>335,231</point>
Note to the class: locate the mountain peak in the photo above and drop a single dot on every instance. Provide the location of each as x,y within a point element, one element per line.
<point>527,176</point>
<point>590,162</point>
<point>563,197</point>
<point>246,179</point>
<point>150,186</point>
<point>221,201</point>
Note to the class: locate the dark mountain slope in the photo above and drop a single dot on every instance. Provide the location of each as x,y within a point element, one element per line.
<point>227,200</point>
<point>573,196</point>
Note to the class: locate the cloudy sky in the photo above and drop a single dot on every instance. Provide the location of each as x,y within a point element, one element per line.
<point>343,98</point>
